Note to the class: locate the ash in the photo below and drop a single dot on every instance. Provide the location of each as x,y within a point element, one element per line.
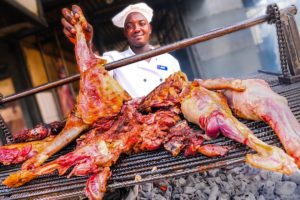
<point>240,182</point>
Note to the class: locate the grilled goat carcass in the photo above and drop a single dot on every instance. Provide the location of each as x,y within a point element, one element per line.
<point>100,99</point>
<point>132,132</point>
<point>17,153</point>
<point>39,132</point>
<point>183,136</point>
<point>258,102</point>
<point>210,111</point>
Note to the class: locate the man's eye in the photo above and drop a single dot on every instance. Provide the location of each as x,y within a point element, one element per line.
<point>129,27</point>
<point>142,23</point>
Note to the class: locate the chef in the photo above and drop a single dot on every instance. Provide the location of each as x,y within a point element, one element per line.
<point>139,78</point>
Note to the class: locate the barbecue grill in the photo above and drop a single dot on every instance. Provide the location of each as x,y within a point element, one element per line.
<point>160,164</point>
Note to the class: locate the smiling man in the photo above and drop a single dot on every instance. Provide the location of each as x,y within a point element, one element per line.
<point>139,78</point>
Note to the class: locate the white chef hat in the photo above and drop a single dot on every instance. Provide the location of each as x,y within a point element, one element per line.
<point>119,19</point>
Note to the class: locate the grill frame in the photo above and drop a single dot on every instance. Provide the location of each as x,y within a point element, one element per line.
<point>142,164</point>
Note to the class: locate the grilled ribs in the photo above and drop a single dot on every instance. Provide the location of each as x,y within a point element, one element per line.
<point>210,111</point>
<point>258,102</point>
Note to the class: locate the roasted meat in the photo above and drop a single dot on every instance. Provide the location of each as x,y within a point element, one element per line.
<point>258,102</point>
<point>39,132</point>
<point>96,184</point>
<point>132,132</point>
<point>210,111</point>
<point>17,153</point>
<point>182,136</point>
<point>100,99</point>
<point>166,94</point>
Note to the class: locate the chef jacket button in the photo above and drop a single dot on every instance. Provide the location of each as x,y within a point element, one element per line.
<point>161,79</point>
<point>145,80</point>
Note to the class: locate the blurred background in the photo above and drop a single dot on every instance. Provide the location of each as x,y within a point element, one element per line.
<point>34,51</point>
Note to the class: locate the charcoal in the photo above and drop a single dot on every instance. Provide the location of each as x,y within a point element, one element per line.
<point>286,177</point>
<point>264,174</point>
<point>246,196</point>
<point>224,196</point>
<point>184,197</point>
<point>267,188</point>
<point>147,187</point>
<point>189,190</point>
<point>181,182</point>
<point>298,190</point>
<point>207,190</point>
<point>211,182</point>
<point>191,181</point>
<point>289,197</point>
<point>295,177</point>
<point>240,183</point>
<point>200,195</point>
<point>158,197</point>
<point>261,197</point>
<point>275,176</point>
<point>256,178</point>
<point>213,172</point>
<point>200,185</point>
<point>214,193</point>
<point>285,188</point>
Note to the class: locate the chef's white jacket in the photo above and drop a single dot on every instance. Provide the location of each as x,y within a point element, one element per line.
<point>140,78</point>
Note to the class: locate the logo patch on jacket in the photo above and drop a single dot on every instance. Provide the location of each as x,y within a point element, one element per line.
<point>161,67</point>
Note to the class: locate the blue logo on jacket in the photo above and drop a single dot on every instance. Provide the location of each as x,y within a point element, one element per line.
<point>161,67</point>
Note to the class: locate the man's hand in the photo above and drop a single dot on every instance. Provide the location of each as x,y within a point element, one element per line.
<point>70,18</point>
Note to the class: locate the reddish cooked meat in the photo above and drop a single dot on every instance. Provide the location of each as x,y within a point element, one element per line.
<point>182,136</point>
<point>17,153</point>
<point>131,132</point>
<point>166,94</point>
<point>100,98</point>
<point>258,102</point>
<point>96,185</point>
<point>39,132</point>
<point>210,111</point>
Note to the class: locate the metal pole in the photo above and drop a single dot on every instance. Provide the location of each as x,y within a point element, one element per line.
<point>161,50</point>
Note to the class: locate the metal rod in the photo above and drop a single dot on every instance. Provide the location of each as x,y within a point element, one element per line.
<point>161,50</point>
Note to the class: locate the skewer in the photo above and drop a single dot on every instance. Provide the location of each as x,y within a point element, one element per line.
<point>161,50</point>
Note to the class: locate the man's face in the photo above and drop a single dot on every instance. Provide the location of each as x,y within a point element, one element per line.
<point>137,29</point>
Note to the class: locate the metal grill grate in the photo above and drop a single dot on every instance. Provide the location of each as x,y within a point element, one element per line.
<point>149,165</point>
